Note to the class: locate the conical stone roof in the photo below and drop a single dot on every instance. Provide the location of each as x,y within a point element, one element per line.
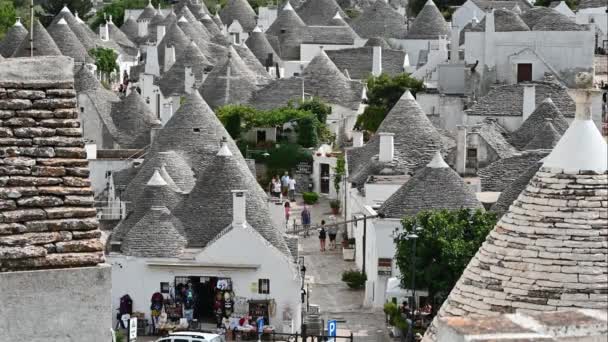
<point>155,191</point>
<point>319,12</point>
<point>239,10</point>
<point>134,121</point>
<point>194,26</point>
<point>172,82</point>
<point>512,191</point>
<point>155,235</point>
<point>122,39</point>
<point>217,20</point>
<point>210,25</point>
<point>378,41</point>
<point>260,46</point>
<point>157,20</point>
<point>194,132</point>
<point>44,45</point>
<point>230,82</point>
<point>508,21</point>
<point>207,210</point>
<point>434,187</point>
<point>557,22</point>
<point>415,142</point>
<point>130,29</point>
<point>546,137</point>
<point>12,38</point>
<point>429,24</point>
<point>170,19</point>
<point>85,35</point>
<point>337,20</point>
<point>148,13</point>
<point>291,31</point>
<point>179,174</point>
<point>549,251</point>
<point>380,20</point>
<point>67,42</point>
<point>535,122</point>
<point>176,38</point>
<point>213,52</point>
<point>533,15</point>
<point>253,64</point>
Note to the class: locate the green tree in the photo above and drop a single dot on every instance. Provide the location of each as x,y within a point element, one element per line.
<point>445,245</point>
<point>307,135</point>
<point>285,157</point>
<point>8,15</point>
<point>382,93</point>
<point>105,60</point>
<point>317,107</point>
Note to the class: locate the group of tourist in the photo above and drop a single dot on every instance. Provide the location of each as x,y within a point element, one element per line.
<point>284,186</point>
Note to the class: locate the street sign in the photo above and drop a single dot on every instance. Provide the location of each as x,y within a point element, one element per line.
<point>332,330</point>
<point>132,329</point>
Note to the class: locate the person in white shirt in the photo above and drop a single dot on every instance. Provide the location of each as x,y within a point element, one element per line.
<point>292,189</point>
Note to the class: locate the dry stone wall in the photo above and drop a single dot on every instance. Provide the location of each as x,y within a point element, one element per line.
<point>47,217</point>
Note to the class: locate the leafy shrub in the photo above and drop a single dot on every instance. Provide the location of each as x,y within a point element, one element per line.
<point>310,197</point>
<point>334,204</point>
<point>354,279</point>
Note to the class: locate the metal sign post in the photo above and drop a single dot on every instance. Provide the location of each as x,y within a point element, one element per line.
<point>332,330</point>
<point>132,329</point>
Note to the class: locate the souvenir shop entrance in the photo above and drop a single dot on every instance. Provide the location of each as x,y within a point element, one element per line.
<point>207,292</point>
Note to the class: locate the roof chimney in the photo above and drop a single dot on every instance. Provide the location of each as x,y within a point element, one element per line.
<point>189,80</point>
<point>529,100</point>
<point>454,45</point>
<point>387,150</point>
<point>151,66</point>
<point>160,33</point>
<point>224,150</point>
<point>357,138</point>
<point>239,208</point>
<point>157,125</point>
<point>169,57</point>
<point>377,61</point>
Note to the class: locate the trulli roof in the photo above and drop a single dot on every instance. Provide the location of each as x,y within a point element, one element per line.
<point>378,41</point>
<point>129,28</point>
<point>230,82</point>
<point>508,21</point>
<point>176,38</point>
<point>498,175</point>
<point>319,12</point>
<point>262,76</point>
<point>380,20</point>
<point>148,12</point>
<point>88,39</point>
<point>156,234</point>
<point>359,61</point>
<point>67,42</point>
<point>546,138</point>
<point>260,46</point>
<point>12,39</point>
<point>239,10</point>
<point>533,125</point>
<point>172,82</point>
<point>434,187</point>
<point>510,193</point>
<point>290,31</point>
<point>133,120</point>
<point>44,45</point>
<point>429,24</point>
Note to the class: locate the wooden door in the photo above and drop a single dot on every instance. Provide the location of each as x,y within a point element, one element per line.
<point>524,72</point>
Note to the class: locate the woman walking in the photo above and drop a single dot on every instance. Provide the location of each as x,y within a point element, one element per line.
<point>322,236</point>
<point>287,213</point>
<point>332,232</point>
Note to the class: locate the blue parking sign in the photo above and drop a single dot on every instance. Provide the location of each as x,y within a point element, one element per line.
<point>332,330</point>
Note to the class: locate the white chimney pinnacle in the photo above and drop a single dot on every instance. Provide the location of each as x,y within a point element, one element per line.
<point>387,150</point>
<point>239,208</point>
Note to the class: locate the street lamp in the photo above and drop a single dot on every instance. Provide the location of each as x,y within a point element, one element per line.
<point>413,236</point>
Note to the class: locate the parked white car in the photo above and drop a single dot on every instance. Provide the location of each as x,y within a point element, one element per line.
<point>190,336</point>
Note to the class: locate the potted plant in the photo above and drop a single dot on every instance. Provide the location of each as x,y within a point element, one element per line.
<point>354,279</point>
<point>310,197</point>
<point>335,206</point>
<point>397,323</point>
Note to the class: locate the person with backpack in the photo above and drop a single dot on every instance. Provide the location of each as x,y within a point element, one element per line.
<point>322,236</point>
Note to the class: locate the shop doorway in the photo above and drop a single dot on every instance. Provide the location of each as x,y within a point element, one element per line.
<point>205,290</point>
<point>324,178</point>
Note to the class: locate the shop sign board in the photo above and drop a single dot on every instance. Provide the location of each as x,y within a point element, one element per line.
<point>385,266</point>
<point>332,330</point>
<point>132,329</point>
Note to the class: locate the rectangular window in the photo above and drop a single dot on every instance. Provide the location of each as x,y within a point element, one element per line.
<point>524,72</point>
<point>264,286</point>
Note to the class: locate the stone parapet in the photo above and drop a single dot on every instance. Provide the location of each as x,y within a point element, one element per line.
<point>47,218</point>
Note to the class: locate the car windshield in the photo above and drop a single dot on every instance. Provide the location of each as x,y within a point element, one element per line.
<point>217,339</point>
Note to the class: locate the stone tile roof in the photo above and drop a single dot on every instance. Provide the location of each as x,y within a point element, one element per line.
<point>260,47</point>
<point>122,39</point>
<point>230,82</point>
<point>157,20</point>
<point>178,173</point>
<point>533,15</point>
<point>148,12</point>
<point>290,31</point>
<point>86,84</point>
<point>218,21</point>
<point>510,193</point>
<point>557,22</point>
<point>583,4</point>
<point>507,100</point>
<point>429,24</point>
<point>507,21</point>
<point>533,125</point>
<point>498,175</point>
<point>134,121</point>
<point>509,4</point>
<point>155,235</point>
<point>170,19</point>
<point>380,20</point>
<point>212,28</point>
<point>338,35</point>
<point>172,82</point>
<point>207,210</point>
<point>359,61</point>
<point>378,41</point>
<point>81,31</point>
<point>548,252</point>
<point>129,28</point>
<point>415,141</point>
<point>319,12</point>
<point>261,75</point>
<point>158,189</point>
<point>44,45</point>
<point>68,43</point>
<point>194,132</point>
<point>494,135</point>
<point>195,24</point>
<point>174,37</point>
<point>374,167</point>
<point>545,139</point>
<point>201,37</point>
<point>12,39</point>
<point>434,187</point>
<point>239,10</point>
<point>337,20</point>
<point>47,218</point>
